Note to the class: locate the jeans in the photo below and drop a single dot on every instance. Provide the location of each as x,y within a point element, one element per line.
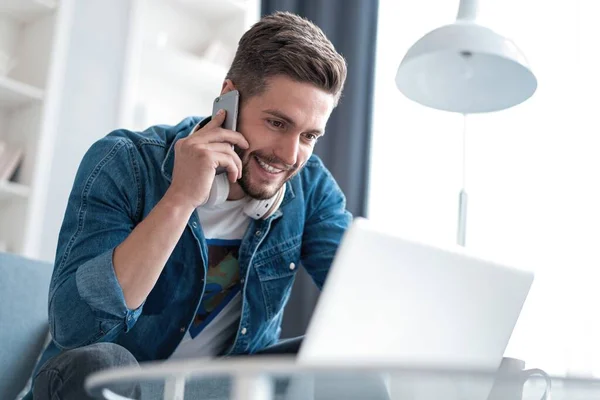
<point>62,378</point>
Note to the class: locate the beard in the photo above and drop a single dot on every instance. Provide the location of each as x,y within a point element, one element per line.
<point>257,190</point>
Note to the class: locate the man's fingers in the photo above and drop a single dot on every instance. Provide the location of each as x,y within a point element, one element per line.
<point>226,161</point>
<point>215,122</point>
<point>220,135</point>
<point>218,119</point>
<point>227,149</point>
<point>231,137</point>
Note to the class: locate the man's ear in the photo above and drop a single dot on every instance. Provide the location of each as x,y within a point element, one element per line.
<point>228,86</point>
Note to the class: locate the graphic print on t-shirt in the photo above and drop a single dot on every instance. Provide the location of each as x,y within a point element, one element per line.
<point>222,281</point>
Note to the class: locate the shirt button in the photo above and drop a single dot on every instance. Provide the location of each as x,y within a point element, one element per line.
<point>244,330</point>
<point>258,233</point>
<point>292,266</point>
<point>195,224</point>
<point>242,280</point>
<point>182,329</point>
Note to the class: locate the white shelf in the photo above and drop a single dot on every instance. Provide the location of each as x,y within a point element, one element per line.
<point>184,69</point>
<point>212,10</point>
<point>11,190</point>
<point>27,10</point>
<point>14,93</point>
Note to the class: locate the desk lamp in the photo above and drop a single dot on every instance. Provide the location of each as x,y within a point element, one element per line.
<point>465,68</point>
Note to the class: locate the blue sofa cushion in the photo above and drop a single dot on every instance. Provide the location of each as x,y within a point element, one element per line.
<point>23,319</point>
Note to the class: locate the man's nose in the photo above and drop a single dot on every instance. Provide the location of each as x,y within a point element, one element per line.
<point>287,151</point>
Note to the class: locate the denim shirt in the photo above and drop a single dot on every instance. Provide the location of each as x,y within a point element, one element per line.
<point>120,179</point>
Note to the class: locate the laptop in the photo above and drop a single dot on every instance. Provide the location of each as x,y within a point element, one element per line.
<point>393,300</point>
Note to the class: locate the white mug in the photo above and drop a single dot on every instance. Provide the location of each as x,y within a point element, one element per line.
<point>511,378</point>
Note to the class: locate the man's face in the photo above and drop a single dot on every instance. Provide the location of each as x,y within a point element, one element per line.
<point>282,125</point>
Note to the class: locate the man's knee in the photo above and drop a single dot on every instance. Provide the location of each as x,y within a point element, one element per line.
<point>101,356</point>
<point>66,373</point>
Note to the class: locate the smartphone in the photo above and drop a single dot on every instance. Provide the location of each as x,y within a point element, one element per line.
<point>229,102</point>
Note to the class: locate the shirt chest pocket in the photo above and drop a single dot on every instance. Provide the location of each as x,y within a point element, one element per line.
<point>276,269</point>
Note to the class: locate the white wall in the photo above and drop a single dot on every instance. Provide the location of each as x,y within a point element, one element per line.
<point>90,102</point>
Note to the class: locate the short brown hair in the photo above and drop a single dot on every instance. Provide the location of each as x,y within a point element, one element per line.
<point>286,44</point>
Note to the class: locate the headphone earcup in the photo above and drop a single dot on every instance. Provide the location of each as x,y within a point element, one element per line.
<point>263,209</point>
<point>257,209</point>
<point>219,191</point>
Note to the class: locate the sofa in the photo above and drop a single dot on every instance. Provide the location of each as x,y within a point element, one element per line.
<point>23,319</point>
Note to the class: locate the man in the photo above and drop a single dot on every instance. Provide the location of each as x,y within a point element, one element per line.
<point>147,270</point>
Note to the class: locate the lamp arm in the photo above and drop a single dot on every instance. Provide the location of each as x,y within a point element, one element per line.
<point>467,10</point>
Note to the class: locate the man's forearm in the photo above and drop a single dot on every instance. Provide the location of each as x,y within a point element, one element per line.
<point>139,260</point>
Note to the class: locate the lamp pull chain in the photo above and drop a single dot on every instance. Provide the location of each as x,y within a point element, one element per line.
<point>462,198</point>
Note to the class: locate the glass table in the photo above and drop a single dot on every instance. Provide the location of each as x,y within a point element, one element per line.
<point>285,378</point>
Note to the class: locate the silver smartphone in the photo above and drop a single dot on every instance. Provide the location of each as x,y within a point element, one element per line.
<point>229,102</point>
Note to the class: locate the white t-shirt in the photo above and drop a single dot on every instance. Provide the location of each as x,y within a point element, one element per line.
<point>219,313</point>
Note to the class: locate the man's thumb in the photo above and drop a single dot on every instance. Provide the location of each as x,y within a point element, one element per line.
<point>219,117</point>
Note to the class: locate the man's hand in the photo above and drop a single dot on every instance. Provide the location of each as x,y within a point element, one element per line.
<point>139,260</point>
<point>197,158</point>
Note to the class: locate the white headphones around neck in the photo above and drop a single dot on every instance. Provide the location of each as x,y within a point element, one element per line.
<point>256,209</point>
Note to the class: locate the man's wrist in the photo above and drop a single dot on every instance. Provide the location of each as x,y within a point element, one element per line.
<point>177,202</point>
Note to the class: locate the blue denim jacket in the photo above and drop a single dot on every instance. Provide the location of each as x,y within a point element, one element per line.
<point>121,178</point>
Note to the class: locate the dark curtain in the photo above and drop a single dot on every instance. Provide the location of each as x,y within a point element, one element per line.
<point>351,25</point>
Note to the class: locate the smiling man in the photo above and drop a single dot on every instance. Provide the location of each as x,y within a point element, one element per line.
<point>150,266</point>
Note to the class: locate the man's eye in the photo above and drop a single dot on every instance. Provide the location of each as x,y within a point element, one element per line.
<point>276,124</point>
<point>311,137</point>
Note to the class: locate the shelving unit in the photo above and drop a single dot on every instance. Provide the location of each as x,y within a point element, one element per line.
<point>13,191</point>
<point>32,33</point>
<point>27,10</point>
<point>208,10</point>
<point>183,69</point>
<point>178,54</point>
<point>14,94</point>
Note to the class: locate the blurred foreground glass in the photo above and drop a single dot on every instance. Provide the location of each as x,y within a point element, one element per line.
<point>267,377</point>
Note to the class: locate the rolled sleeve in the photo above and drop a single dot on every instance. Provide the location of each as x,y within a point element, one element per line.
<point>98,286</point>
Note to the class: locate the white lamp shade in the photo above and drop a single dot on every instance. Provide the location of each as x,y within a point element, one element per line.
<point>466,68</point>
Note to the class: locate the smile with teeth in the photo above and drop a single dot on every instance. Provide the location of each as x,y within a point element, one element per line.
<point>268,167</point>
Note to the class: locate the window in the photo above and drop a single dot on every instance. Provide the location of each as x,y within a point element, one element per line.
<point>533,171</point>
